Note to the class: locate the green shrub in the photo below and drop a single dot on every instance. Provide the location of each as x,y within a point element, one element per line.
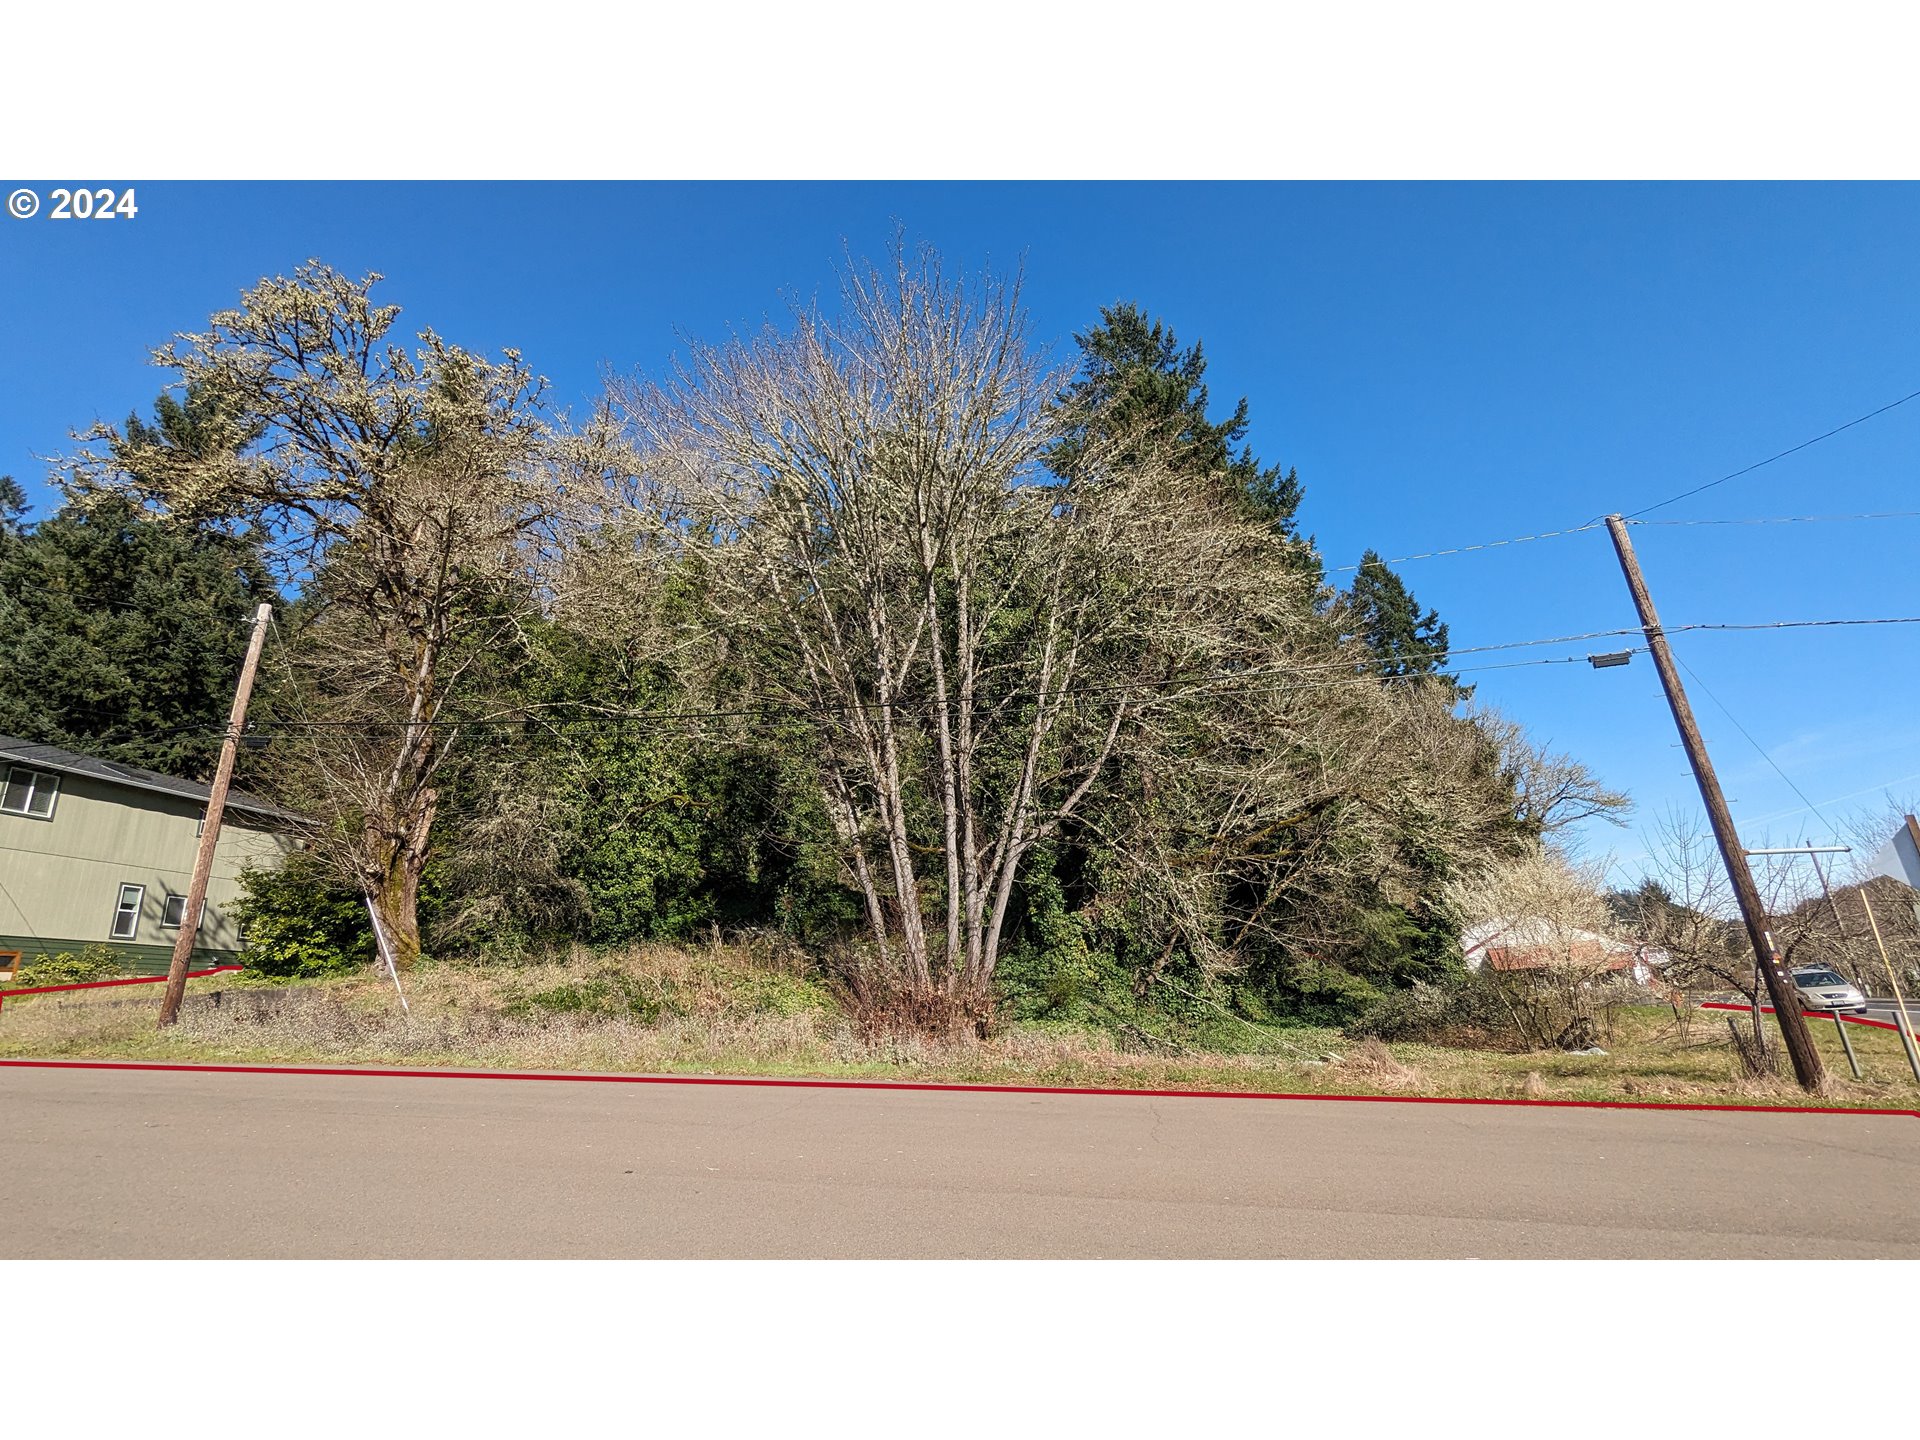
<point>652,985</point>
<point>610,992</point>
<point>1468,1012</point>
<point>301,922</point>
<point>96,962</point>
<point>1057,964</point>
<point>1317,993</point>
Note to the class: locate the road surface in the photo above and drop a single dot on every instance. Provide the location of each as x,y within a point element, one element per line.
<point>139,1164</point>
<point>1878,1009</point>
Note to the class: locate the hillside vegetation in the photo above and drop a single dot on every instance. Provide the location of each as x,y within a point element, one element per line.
<point>749,1011</point>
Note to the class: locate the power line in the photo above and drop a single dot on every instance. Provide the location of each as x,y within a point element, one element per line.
<point>1597,521</point>
<point>1232,681</point>
<point>1196,681</point>
<point>1601,525</point>
<point>1484,545</point>
<point>1794,624</point>
<point>1236,682</point>
<point>1781,455</point>
<point>1790,519</point>
<point>1882,788</point>
<point>1755,743</point>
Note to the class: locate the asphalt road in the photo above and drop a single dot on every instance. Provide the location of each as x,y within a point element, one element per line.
<point>1886,1010</point>
<point>145,1164</point>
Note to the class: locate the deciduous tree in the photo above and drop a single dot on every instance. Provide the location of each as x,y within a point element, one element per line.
<point>408,492</point>
<point>876,499</point>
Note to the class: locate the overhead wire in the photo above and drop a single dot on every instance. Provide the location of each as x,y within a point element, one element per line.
<point>1760,749</point>
<point>1469,549</point>
<point>1780,455</point>
<point>1882,788</point>
<point>1232,681</point>
<point>1240,678</point>
<point>1601,525</point>
<point>1789,519</point>
<point>1632,516</point>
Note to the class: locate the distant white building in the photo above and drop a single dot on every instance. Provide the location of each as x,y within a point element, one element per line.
<point>1535,944</point>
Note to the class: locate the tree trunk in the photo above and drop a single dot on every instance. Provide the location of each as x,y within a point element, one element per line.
<point>397,903</point>
<point>398,851</point>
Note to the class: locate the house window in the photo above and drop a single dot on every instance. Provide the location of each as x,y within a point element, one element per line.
<point>173,911</point>
<point>30,792</point>
<point>126,915</point>
<point>9,962</point>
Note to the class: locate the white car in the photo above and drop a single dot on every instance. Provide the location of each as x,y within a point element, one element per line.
<point>1824,989</point>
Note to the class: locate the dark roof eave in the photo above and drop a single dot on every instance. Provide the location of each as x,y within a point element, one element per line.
<point>69,762</point>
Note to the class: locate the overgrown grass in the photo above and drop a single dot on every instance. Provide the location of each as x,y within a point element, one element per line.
<point>727,1010</point>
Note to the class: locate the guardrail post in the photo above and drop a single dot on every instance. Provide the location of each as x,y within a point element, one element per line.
<point>1845,1043</point>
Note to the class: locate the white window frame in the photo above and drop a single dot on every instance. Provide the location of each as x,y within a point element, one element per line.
<point>120,909</point>
<point>166,908</point>
<point>41,782</point>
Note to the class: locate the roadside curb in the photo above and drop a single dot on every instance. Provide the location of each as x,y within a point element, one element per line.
<point>954,1087</point>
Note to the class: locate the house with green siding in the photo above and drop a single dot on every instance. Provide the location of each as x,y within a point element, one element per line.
<point>97,853</point>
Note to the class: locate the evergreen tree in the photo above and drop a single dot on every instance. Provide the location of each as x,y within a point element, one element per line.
<point>199,428</point>
<point>1136,380</point>
<point>1381,610</point>
<point>120,635</point>
<point>13,506</point>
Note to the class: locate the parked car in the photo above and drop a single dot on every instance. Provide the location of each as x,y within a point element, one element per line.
<point>1824,989</point>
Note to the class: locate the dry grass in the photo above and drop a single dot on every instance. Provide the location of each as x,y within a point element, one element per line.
<point>1374,1066</point>
<point>725,1010</point>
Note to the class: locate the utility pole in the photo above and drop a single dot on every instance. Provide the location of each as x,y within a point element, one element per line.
<point>1807,1068</point>
<point>210,828</point>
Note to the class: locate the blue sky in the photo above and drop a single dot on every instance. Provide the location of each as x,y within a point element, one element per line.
<point>1445,365</point>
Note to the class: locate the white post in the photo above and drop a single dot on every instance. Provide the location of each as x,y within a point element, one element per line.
<point>380,939</point>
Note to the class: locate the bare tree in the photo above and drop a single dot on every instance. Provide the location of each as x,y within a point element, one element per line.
<point>1552,790</point>
<point>1269,812</point>
<point>1552,949</point>
<point>1686,912</point>
<point>1685,909</point>
<point>977,638</point>
<point>409,492</point>
<point>1869,828</point>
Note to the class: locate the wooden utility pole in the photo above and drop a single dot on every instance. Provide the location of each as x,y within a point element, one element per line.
<point>1807,1068</point>
<point>210,828</point>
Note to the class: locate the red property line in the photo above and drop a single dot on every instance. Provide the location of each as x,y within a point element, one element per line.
<point>1811,1014</point>
<point>126,980</point>
<point>782,1082</point>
